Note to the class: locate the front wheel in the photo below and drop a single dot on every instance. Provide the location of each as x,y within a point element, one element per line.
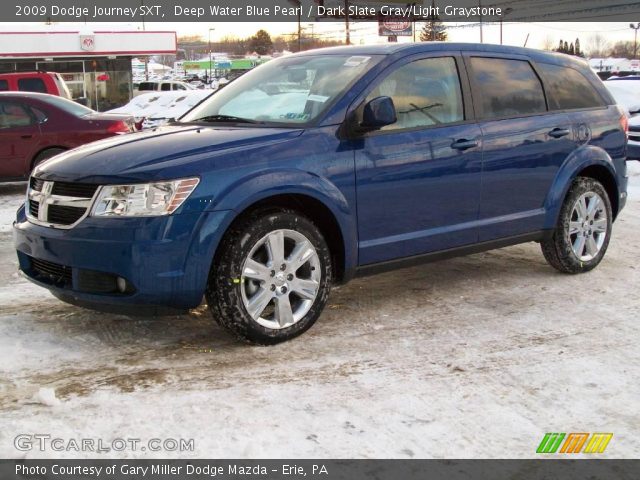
<point>582,234</point>
<point>271,278</point>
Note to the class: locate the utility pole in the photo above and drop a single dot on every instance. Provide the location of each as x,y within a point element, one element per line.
<point>635,39</point>
<point>146,59</point>
<point>299,31</point>
<point>346,21</point>
<point>480,10</point>
<point>210,59</point>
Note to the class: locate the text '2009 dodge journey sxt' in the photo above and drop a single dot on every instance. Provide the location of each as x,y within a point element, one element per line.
<point>317,167</point>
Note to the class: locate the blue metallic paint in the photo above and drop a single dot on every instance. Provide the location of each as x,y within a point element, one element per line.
<point>392,194</point>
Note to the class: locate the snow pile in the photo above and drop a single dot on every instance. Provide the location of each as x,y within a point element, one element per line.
<point>47,396</point>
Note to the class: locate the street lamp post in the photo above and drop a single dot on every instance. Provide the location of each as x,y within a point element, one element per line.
<point>635,39</point>
<point>210,59</point>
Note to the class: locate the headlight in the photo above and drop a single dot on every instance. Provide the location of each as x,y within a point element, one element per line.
<point>143,200</point>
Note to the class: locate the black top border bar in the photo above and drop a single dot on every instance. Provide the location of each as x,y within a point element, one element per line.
<point>213,11</point>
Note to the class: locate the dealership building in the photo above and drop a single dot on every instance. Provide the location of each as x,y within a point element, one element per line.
<point>96,64</point>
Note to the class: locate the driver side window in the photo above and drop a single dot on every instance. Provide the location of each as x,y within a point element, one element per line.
<point>425,93</point>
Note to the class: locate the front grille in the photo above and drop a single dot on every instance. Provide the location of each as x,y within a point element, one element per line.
<point>59,203</point>
<point>53,273</point>
<point>34,208</point>
<point>64,215</point>
<point>78,190</point>
<point>36,184</point>
<point>634,128</point>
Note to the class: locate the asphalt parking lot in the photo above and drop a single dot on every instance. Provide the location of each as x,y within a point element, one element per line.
<point>472,357</point>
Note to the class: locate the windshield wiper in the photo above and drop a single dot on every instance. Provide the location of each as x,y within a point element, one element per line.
<point>225,118</point>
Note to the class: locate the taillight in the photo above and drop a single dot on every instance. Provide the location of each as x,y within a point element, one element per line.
<point>624,123</point>
<point>118,127</point>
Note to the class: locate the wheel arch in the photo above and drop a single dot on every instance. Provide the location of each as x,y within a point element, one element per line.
<point>588,161</point>
<point>315,197</point>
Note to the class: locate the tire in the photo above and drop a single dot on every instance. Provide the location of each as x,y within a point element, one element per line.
<point>582,226</point>
<point>249,290</point>
<point>46,154</point>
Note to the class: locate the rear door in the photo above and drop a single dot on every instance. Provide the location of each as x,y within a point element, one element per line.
<point>19,136</point>
<point>418,180</point>
<point>524,144</point>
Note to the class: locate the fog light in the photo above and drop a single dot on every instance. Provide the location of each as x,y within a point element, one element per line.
<point>121,283</point>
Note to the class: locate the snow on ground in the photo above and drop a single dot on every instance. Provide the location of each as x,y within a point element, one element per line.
<point>473,357</point>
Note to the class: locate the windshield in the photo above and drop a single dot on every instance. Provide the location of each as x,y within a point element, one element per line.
<point>288,90</point>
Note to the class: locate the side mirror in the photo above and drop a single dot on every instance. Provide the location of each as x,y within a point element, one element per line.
<point>378,113</point>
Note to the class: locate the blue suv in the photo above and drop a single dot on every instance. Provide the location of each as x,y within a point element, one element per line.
<point>317,167</point>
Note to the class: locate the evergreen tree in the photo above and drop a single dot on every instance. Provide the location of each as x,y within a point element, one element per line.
<point>578,51</point>
<point>433,30</point>
<point>261,42</point>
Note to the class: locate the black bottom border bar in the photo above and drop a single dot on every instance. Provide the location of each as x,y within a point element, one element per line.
<point>544,468</point>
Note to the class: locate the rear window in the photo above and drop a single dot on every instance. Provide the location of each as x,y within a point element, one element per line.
<point>508,88</point>
<point>4,85</point>
<point>569,88</point>
<point>33,84</point>
<point>71,107</point>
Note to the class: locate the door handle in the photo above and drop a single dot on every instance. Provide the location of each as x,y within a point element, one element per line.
<point>26,136</point>
<point>559,132</point>
<point>464,144</point>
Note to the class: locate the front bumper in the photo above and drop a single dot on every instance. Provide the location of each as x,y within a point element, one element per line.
<point>164,260</point>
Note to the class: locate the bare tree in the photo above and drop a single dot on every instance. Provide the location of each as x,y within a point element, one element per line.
<point>549,43</point>
<point>597,46</point>
<point>622,49</point>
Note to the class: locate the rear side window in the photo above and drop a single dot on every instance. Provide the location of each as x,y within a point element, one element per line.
<point>32,85</point>
<point>569,88</point>
<point>146,86</point>
<point>4,85</point>
<point>13,115</point>
<point>165,87</point>
<point>508,88</point>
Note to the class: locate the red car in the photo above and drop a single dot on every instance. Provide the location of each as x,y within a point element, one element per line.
<point>37,126</point>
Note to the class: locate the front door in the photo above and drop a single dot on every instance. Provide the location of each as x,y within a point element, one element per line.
<point>418,180</point>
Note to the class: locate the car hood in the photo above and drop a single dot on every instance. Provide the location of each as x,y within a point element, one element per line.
<point>161,153</point>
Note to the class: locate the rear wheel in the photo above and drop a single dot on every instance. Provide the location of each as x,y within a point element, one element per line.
<point>582,234</point>
<point>46,154</point>
<point>271,278</point>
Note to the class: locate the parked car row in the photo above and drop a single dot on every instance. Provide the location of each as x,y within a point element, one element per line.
<point>156,108</point>
<point>626,91</point>
<point>37,126</point>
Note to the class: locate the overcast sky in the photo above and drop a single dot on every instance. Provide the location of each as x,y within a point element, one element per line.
<point>366,32</point>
